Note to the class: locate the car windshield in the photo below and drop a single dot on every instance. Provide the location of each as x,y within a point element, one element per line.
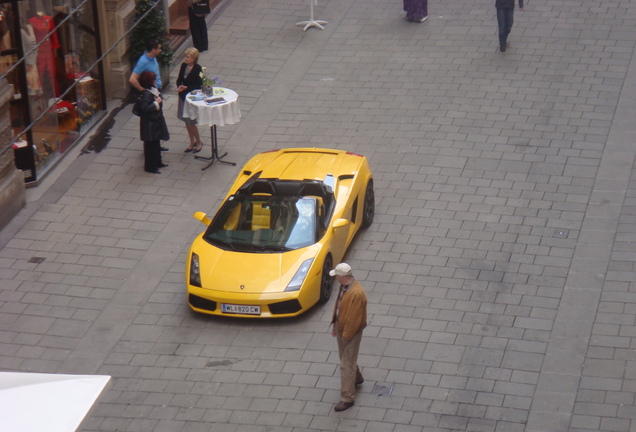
<point>264,223</point>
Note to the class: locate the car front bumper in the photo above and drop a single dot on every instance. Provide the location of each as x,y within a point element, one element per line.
<point>279,305</point>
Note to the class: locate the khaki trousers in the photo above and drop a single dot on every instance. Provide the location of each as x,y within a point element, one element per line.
<point>349,371</point>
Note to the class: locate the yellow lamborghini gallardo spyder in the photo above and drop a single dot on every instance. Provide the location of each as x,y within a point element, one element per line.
<point>286,221</point>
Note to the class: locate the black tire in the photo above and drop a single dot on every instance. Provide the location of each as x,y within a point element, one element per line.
<point>326,281</point>
<point>368,212</point>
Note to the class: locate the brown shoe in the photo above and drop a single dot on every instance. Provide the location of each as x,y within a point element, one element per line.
<point>342,405</point>
<point>359,382</point>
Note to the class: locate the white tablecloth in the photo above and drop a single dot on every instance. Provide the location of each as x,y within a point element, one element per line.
<point>218,114</point>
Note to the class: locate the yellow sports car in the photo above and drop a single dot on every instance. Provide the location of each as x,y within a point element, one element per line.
<point>288,217</point>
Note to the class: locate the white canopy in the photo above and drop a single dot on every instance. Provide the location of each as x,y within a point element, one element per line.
<point>46,402</point>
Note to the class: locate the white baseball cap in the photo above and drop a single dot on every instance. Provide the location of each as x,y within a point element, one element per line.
<point>342,269</point>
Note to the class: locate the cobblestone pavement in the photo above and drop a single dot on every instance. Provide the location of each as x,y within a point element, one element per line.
<point>500,268</point>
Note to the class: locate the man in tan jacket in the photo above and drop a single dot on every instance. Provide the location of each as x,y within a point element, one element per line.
<point>349,318</point>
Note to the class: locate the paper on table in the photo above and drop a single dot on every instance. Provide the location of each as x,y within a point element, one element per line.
<point>197,96</point>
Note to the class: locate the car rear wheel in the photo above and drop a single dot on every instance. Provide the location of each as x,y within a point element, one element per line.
<point>325,280</point>
<point>369,206</point>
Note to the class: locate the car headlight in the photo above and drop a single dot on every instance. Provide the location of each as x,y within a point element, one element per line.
<point>300,275</point>
<point>195,271</point>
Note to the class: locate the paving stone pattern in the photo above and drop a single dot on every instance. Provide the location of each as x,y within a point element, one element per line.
<point>500,268</point>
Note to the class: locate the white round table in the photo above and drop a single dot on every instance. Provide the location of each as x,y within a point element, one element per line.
<point>208,112</point>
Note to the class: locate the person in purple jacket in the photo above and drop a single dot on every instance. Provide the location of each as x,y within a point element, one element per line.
<point>505,12</point>
<point>415,10</point>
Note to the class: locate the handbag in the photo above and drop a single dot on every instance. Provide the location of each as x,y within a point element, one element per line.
<point>136,110</point>
<point>165,134</point>
<point>201,8</point>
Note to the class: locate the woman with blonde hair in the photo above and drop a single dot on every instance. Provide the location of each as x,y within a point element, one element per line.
<point>189,79</point>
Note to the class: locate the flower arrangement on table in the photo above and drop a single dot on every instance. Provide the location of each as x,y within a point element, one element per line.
<point>206,82</point>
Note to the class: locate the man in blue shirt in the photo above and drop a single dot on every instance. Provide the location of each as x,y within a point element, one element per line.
<point>147,62</point>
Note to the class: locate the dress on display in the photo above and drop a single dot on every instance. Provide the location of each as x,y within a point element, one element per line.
<point>30,60</point>
<point>6,61</point>
<point>43,25</point>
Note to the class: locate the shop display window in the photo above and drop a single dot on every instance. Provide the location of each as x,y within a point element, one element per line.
<point>49,53</point>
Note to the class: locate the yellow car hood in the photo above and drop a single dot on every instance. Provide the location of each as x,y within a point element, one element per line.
<point>249,273</point>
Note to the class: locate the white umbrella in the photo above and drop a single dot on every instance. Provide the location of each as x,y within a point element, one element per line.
<point>46,402</point>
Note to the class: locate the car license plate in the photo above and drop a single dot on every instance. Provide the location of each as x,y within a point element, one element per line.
<point>240,309</point>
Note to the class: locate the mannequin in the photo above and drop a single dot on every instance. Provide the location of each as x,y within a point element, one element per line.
<point>42,24</point>
<point>5,41</point>
<point>30,60</point>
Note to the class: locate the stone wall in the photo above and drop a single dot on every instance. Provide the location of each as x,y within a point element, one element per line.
<point>115,18</point>
<point>12,191</point>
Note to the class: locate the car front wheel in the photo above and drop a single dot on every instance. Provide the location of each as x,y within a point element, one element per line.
<point>325,280</point>
<point>369,206</point>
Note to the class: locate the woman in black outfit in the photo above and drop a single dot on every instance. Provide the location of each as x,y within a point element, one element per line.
<point>189,79</point>
<point>197,11</point>
<point>152,126</point>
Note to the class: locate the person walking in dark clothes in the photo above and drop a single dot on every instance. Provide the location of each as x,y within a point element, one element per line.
<point>415,10</point>
<point>197,12</point>
<point>505,12</point>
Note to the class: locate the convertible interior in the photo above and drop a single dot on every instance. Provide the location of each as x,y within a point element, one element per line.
<point>273,215</point>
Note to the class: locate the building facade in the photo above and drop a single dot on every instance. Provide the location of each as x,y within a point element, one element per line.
<point>49,55</point>
<point>60,60</point>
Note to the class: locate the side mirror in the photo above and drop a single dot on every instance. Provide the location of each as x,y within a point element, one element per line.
<point>340,223</point>
<point>200,216</point>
